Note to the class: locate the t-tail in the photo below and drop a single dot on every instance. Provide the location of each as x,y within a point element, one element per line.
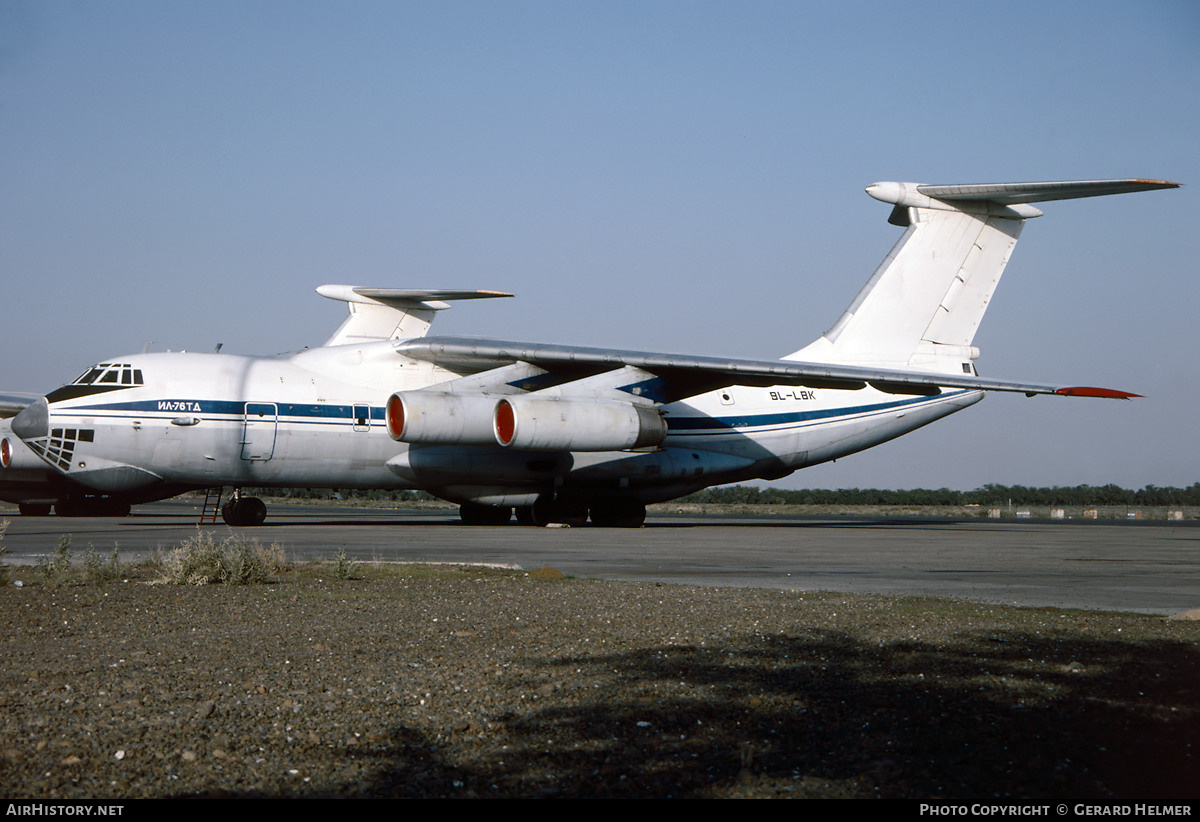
<point>922,306</point>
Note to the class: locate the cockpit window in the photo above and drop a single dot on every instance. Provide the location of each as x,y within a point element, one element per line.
<point>111,374</point>
<point>88,377</point>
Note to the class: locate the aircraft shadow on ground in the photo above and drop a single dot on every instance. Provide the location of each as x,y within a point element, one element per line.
<point>824,714</point>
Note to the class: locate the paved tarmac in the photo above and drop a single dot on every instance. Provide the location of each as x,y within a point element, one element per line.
<point>1152,567</point>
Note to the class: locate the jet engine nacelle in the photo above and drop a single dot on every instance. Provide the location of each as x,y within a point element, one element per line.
<point>16,456</point>
<point>544,424</point>
<point>441,417</point>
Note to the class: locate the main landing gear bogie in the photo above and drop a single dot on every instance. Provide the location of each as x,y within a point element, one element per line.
<point>244,511</point>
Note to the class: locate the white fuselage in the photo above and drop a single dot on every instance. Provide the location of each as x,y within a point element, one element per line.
<point>317,419</point>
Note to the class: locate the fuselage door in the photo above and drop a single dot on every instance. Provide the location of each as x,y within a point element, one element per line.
<point>258,432</point>
<point>362,417</point>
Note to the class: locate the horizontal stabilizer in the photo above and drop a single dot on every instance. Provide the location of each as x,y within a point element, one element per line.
<point>995,198</point>
<point>1012,193</point>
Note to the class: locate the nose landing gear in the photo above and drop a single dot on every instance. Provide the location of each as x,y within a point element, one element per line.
<point>244,511</point>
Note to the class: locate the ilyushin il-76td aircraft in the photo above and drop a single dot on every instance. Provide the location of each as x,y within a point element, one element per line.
<point>558,433</point>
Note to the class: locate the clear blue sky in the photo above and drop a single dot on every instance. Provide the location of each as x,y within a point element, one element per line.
<point>682,176</point>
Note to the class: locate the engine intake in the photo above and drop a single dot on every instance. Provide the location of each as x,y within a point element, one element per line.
<point>16,456</point>
<point>544,424</point>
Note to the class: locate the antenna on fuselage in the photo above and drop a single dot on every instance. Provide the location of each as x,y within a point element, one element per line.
<point>217,350</point>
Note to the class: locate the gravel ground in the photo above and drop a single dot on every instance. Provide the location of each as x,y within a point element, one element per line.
<point>471,682</point>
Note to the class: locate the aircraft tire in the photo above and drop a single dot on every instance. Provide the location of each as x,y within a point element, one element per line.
<point>525,515</point>
<point>619,513</point>
<point>255,510</point>
<point>35,509</point>
<point>244,512</point>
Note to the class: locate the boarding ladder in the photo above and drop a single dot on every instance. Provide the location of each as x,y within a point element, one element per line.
<point>212,505</point>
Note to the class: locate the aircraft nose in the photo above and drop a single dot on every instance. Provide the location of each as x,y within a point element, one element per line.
<point>33,421</point>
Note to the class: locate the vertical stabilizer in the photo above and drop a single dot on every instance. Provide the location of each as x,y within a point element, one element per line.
<point>924,303</point>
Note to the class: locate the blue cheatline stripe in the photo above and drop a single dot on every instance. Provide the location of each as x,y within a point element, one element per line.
<point>345,413</point>
<point>790,417</point>
<point>234,408</point>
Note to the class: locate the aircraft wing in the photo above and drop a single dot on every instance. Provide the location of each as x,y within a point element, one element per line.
<point>11,404</point>
<point>666,378</point>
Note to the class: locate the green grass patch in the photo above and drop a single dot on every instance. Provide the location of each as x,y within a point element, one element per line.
<point>56,570</point>
<point>98,570</point>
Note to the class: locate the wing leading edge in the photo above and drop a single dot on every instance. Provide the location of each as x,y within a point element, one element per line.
<point>678,376</point>
<point>11,404</point>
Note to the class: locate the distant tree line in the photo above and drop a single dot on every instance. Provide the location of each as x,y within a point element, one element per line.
<point>990,495</point>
